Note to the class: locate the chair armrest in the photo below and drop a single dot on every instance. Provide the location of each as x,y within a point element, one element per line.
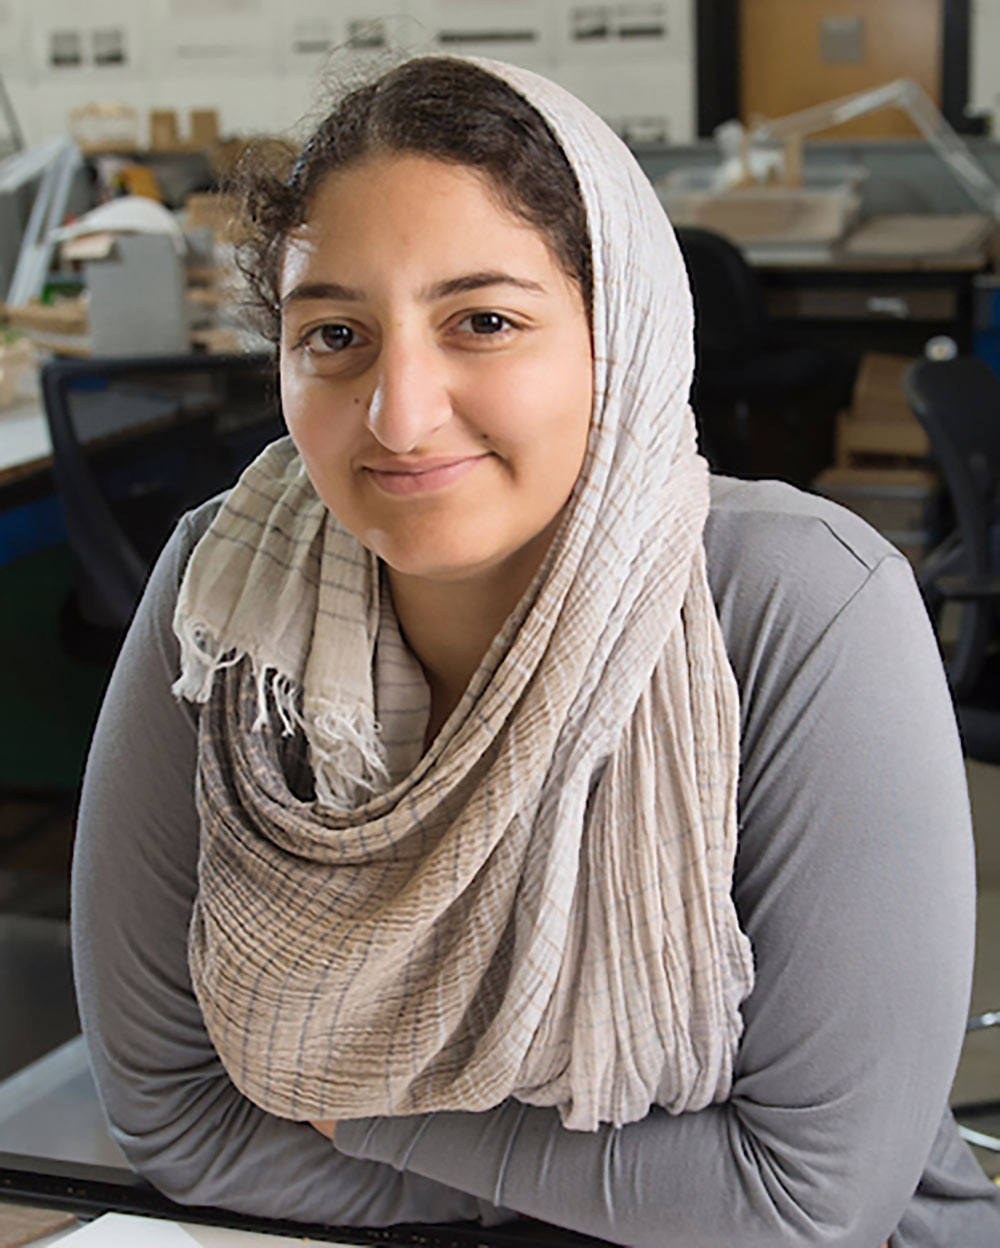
<point>977,585</point>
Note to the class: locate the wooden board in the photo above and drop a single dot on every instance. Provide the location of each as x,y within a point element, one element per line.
<point>921,235</point>
<point>22,1224</point>
<point>784,65</point>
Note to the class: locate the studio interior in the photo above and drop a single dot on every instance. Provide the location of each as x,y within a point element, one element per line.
<point>832,171</point>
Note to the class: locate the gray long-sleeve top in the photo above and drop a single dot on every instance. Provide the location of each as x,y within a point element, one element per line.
<point>854,881</point>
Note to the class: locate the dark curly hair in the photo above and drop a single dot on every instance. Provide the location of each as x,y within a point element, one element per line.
<point>438,106</point>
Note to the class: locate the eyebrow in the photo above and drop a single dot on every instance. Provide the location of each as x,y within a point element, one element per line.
<point>440,290</point>
<point>476,281</point>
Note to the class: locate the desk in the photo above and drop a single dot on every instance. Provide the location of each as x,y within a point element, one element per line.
<point>50,1110</point>
<point>25,444</point>
<point>870,293</point>
<point>865,308</point>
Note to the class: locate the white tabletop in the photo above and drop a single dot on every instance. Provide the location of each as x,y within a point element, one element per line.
<point>24,432</point>
<point>50,1109</point>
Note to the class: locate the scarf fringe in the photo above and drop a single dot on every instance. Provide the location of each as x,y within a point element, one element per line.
<point>347,757</point>
<point>202,655</point>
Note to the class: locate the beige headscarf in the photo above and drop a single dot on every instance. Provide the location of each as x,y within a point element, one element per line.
<point>540,905</point>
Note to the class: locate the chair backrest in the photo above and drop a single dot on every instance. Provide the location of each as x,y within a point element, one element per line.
<point>958,403</point>
<point>730,315</point>
<point>137,442</point>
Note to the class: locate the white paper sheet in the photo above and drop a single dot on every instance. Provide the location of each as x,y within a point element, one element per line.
<point>121,1230</point>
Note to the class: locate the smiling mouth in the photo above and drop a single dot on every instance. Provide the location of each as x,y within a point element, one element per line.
<point>417,480</point>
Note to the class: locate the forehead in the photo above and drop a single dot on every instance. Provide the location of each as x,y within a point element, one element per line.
<point>412,207</point>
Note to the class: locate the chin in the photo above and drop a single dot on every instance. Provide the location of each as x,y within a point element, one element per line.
<point>435,564</point>
<point>449,550</point>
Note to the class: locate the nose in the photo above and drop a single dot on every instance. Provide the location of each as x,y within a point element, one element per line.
<point>411,397</point>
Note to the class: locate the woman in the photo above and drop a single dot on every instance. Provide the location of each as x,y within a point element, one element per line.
<point>437,856</point>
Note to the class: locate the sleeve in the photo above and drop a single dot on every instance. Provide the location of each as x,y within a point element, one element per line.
<point>171,1107</point>
<point>855,884</point>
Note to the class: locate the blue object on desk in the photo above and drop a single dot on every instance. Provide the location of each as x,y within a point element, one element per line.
<point>986,346</point>
<point>32,526</point>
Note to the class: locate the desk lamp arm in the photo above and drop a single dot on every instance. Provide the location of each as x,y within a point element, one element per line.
<point>907,95</point>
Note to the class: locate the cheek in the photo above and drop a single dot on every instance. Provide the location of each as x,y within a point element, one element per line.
<point>570,395</point>
<point>545,405</point>
<point>322,435</point>
<point>581,396</point>
<point>292,397</point>
<point>315,416</point>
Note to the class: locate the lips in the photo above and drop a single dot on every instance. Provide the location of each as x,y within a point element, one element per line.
<point>424,477</point>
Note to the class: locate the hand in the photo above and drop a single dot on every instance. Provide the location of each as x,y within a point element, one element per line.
<point>325,1126</point>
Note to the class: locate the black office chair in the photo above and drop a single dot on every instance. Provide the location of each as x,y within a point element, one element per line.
<point>958,403</point>
<point>740,368</point>
<point>136,442</point>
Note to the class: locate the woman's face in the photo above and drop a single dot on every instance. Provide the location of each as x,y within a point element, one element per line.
<point>436,368</point>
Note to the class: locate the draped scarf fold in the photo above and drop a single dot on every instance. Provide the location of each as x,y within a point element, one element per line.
<point>540,905</point>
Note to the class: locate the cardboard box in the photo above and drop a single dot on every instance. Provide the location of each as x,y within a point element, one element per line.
<point>17,357</point>
<point>164,135</point>
<point>892,500</point>
<point>879,422</point>
<point>204,127</point>
<point>865,436</point>
<point>67,316</point>
<point>165,130</point>
<point>105,126</point>
<point>878,391</point>
<point>901,503</point>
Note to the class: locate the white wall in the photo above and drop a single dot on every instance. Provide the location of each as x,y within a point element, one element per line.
<point>984,69</point>
<point>260,62</point>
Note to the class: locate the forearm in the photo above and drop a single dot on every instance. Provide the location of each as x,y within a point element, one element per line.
<point>201,1143</point>
<point>693,1182</point>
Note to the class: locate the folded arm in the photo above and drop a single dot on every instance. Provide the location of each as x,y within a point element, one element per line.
<point>855,885</point>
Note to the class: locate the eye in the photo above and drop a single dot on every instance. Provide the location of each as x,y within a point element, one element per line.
<point>327,339</point>
<point>485,323</point>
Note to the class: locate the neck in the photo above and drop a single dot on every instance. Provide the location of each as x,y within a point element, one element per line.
<point>450,624</point>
